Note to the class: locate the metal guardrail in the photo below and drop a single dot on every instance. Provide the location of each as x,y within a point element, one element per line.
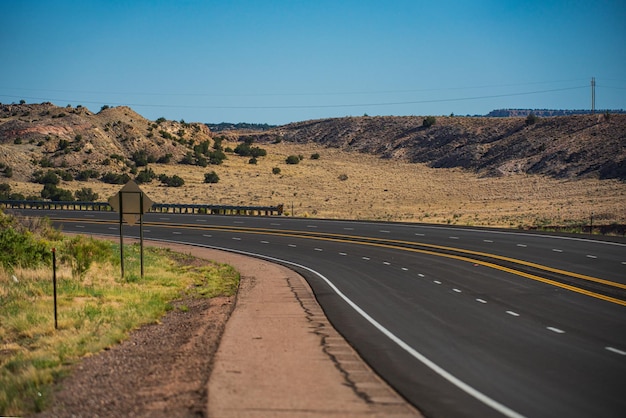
<point>157,207</point>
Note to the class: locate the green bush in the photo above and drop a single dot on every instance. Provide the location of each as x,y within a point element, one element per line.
<point>86,194</point>
<point>48,177</point>
<point>276,170</point>
<point>56,194</point>
<point>211,177</point>
<point>20,248</point>
<point>114,178</point>
<point>173,181</point>
<point>292,159</point>
<point>429,121</point>
<point>79,252</point>
<point>531,119</point>
<point>315,156</point>
<point>145,176</point>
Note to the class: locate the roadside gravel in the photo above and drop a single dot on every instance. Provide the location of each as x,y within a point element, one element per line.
<point>268,352</point>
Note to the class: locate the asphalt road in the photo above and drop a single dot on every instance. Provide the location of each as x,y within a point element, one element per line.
<point>463,322</point>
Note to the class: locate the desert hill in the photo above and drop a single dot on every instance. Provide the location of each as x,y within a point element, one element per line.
<point>560,147</point>
<point>364,168</point>
<point>45,135</point>
<point>33,135</point>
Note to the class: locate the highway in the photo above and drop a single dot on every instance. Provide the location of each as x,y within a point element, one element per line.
<point>463,322</point>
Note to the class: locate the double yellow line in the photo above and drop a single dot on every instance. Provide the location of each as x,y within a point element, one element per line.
<point>430,249</point>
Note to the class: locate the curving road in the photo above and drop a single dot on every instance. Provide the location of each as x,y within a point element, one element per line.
<point>463,322</point>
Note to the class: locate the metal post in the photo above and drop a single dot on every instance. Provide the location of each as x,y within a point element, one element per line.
<point>54,285</point>
<point>121,236</point>
<point>141,231</point>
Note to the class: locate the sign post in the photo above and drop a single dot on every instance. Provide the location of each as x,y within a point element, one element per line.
<point>131,203</point>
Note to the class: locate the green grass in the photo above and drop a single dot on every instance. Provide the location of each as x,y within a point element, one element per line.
<point>96,309</point>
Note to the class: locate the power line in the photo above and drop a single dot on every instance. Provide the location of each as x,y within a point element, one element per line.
<point>346,105</point>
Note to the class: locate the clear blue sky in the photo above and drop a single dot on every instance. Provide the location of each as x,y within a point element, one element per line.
<point>283,61</point>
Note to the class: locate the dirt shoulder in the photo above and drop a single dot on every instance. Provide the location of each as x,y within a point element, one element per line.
<point>269,352</point>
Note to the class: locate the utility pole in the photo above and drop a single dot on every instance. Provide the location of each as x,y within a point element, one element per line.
<point>593,95</point>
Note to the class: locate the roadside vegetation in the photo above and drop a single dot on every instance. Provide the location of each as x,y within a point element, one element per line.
<point>96,308</point>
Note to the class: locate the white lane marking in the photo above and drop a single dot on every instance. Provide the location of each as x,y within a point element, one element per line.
<point>318,249</point>
<point>177,233</point>
<point>113,227</point>
<point>311,226</point>
<point>616,351</point>
<point>437,282</point>
<point>164,219</point>
<point>487,240</point>
<point>344,254</point>
<point>236,238</point>
<point>506,411</point>
<point>292,245</point>
<point>80,226</point>
<point>556,250</point>
<point>419,235</point>
<point>591,256</point>
<point>237,222</point>
<point>200,220</point>
<point>208,236</point>
<point>624,262</point>
<point>453,237</point>
<point>265,242</point>
<point>558,331</point>
<point>457,290</point>
<point>405,269</point>
<point>481,300</point>
<point>512,313</point>
<point>348,229</point>
<point>387,263</point>
<point>89,216</point>
<point>522,245</point>
<point>365,258</point>
<point>384,231</point>
<point>274,224</point>
<point>420,275</point>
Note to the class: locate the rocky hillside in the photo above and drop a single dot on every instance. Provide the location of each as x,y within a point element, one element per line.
<point>560,147</point>
<point>33,136</point>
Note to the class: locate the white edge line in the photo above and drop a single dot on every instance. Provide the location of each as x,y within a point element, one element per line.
<point>504,410</point>
<point>615,350</point>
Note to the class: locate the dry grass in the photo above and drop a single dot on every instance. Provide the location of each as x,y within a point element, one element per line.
<point>379,189</point>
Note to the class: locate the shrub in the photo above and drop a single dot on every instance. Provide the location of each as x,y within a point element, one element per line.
<point>17,141</point>
<point>20,248</point>
<point>315,156</point>
<point>145,176</point>
<point>276,170</point>
<point>531,119</point>
<point>46,178</point>
<point>165,158</point>
<point>86,194</point>
<point>79,252</point>
<point>141,158</point>
<point>113,178</point>
<point>252,160</point>
<point>56,194</point>
<point>343,177</point>
<point>160,120</point>
<point>211,177</point>
<point>429,121</point>
<point>5,191</point>
<point>173,181</point>
<point>216,157</point>
<point>292,159</point>
<point>86,175</point>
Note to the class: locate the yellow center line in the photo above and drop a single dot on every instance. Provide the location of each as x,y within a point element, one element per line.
<point>394,244</point>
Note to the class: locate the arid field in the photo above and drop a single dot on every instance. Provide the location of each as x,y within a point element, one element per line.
<point>352,185</point>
